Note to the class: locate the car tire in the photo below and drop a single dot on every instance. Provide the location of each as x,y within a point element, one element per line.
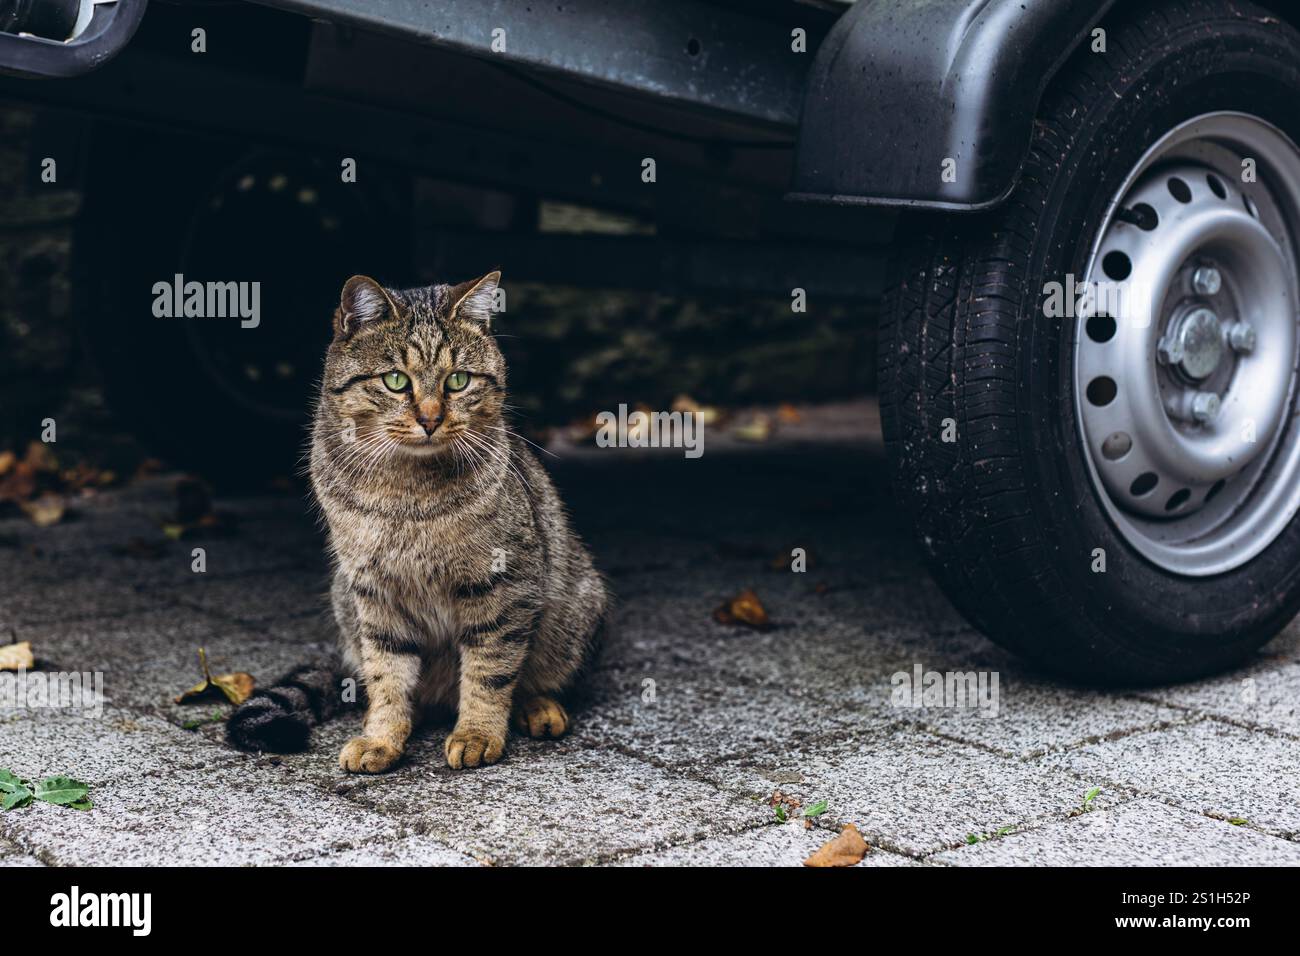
<point>993,435</point>
<point>228,399</point>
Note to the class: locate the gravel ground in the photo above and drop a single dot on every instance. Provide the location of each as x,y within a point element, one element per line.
<point>692,724</point>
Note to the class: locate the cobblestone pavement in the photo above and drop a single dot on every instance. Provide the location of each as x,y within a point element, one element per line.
<point>692,724</point>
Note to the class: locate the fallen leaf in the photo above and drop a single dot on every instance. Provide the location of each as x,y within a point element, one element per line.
<point>707,414</point>
<point>236,687</point>
<point>817,809</point>
<point>19,484</point>
<point>788,413</point>
<point>744,608</point>
<point>778,797</point>
<point>40,457</point>
<point>60,790</point>
<point>16,657</point>
<point>847,849</point>
<point>14,792</point>
<point>44,511</point>
<point>758,428</point>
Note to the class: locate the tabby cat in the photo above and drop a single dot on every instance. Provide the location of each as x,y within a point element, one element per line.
<point>458,583</point>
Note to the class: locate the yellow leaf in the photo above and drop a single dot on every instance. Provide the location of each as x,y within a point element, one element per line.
<point>45,510</point>
<point>758,428</point>
<point>18,656</point>
<point>236,687</point>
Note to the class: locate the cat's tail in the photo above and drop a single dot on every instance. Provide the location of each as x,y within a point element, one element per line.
<point>279,719</point>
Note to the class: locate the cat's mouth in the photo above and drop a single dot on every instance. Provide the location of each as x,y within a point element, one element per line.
<point>422,447</point>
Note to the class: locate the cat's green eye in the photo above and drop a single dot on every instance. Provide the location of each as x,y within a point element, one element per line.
<point>396,381</point>
<point>457,381</point>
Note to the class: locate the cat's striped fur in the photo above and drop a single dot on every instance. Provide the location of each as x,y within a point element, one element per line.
<point>458,583</point>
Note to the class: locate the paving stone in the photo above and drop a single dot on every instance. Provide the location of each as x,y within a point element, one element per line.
<point>411,851</point>
<point>1209,767</point>
<point>551,802</point>
<point>804,707</point>
<point>264,598</point>
<point>217,816</point>
<point>1262,695</point>
<point>147,660</point>
<point>1028,716</point>
<point>119,745</point>
<point>786,844</point>
<point>829,648</point>
<point>71,598</point>
<point>11,856</point>
<point>688,719</point>
<point>909,791</point>
<point>1138,833</point>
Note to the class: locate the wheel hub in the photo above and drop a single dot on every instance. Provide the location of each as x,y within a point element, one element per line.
<point>1185,368</point>
<point>1196,346</point>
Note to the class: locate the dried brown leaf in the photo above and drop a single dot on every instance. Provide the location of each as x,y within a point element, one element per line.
<point>846,849</point>
<point>745,608</point>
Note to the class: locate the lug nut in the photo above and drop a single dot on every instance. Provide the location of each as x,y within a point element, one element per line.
<point>1241,337</point>
<point>1169,351</point>
<point>1205,407</point>
<point>1207,281</point>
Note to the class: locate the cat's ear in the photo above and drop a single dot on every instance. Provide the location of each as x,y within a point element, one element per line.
<point>363,300</point>
<point>473,300</point>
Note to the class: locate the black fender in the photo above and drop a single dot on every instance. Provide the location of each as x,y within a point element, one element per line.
<point>901,87</point>
<point>110,28</point>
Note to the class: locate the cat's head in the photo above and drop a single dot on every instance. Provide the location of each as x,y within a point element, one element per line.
<point>415,371</point>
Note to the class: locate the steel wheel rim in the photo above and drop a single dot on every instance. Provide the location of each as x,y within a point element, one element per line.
<point>1193,447</point>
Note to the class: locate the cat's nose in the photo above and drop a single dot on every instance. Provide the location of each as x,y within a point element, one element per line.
<point>430,425</point>
<point>429,414</point>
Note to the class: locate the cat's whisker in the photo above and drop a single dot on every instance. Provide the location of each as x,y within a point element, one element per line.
<point>502,450</point>
<point>358,448</point>
<point>363,455</point>
<point>516,434</point>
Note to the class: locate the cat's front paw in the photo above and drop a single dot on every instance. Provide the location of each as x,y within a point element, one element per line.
<point>367,755</point>
<point>541,717</point>
<point>470,748</point>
